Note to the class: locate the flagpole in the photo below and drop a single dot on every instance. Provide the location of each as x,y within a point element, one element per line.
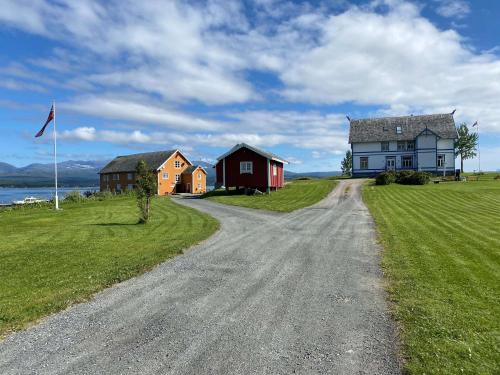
<point>55,155</point>
<point>478,149</point>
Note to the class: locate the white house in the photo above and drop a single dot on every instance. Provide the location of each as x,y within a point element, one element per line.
<point>421,143</point>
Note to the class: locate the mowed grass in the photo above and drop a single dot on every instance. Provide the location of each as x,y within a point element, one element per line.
<point>49,260</point>
<point>442,261</point>
<point>294,195</point>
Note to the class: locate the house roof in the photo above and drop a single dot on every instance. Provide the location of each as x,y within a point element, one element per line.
<point>263,153</point>
<point>384,129</point>
<point>127,163</point>
<point>192,168</point>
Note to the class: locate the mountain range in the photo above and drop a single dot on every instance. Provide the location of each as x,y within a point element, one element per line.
<point>84,173</point>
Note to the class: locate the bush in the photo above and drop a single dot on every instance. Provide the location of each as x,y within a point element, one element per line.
<point>74,196</point>
<point>385,178</point>
<point>303,178</point>
<point>497,177</point>
<point>412,178</point>
<point>102,195</point>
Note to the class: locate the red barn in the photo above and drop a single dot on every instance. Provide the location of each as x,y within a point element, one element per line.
<point>245,166</point>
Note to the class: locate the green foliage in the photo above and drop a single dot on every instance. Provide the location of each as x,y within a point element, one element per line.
<point>50,260</point>
<point>74,196</point>
<point>441,259</point>
<point>295,195</point>
<point>346,164</point>
<point>410,177</point>
<point>385,178</point>
<point>146,188</point>
<point>466,144</point>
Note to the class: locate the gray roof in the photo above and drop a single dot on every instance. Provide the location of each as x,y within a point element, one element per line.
<point>263,153</point>
<point>189,170</point>
<point>384,129</point>
<point>127,163</point>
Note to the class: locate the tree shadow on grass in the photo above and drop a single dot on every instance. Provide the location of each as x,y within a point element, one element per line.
<point>114,224</point>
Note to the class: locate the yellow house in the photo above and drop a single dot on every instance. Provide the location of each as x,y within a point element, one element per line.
<point>174,173</point>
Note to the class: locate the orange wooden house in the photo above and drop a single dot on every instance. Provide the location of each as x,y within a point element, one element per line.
<point>174,173</point>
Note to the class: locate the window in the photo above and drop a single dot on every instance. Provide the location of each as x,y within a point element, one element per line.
<point>406,145</point>
<point>441,160</point>
<point>177,178</point>
<point>104,178</point>
<point>130,176</point>
<point>384,146</point>
<point>116,176</point>
<point>199,176</point>
<point>165,175</point>
<point>118,187</point>
<point>363,162</point>
<point>199,186</point>
<point>398,130</point>
<point>130,187</point>
<point>246,167</point>
<point>407,161</point>
<point>177,164</point>
<point>275,170</point>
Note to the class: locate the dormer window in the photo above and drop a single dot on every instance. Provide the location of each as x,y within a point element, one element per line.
<point>398,130</point>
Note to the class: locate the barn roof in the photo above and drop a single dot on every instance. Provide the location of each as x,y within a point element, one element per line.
<point>384,129</point>
<point>266,154</point>
<point>127,163</point>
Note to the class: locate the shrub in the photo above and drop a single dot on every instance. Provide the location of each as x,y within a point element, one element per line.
<point>412,178</point>
<point>405,177</point>
<point>102,195</point>
<point>303,178</point>
<point>74,196</point>
<point>385,178</point>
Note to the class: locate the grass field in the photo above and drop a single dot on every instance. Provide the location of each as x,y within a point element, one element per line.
<point>296,194</point>
<point>442,262</point>
<point>50,259</point>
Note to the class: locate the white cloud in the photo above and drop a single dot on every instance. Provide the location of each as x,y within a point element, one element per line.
<point>453,8</point>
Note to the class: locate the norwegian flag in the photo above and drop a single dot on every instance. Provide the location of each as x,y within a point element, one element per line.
<point>49,119</point>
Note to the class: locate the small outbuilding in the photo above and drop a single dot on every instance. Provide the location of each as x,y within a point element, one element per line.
<point>245,166</point>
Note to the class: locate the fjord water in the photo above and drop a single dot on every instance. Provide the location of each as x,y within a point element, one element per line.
<point>7,195</point>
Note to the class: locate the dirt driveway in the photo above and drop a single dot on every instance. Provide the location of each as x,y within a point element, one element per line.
<point>268,294</point>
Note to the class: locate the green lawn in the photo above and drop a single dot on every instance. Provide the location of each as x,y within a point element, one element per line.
<point>296,194</point>
<point>50,259</point>
<point>442,262</point>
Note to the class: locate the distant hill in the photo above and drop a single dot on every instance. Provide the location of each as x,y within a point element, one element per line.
<point>71,173</point>
<point>84,173</point>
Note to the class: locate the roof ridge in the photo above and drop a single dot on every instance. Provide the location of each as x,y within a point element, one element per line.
<point>401,117</point>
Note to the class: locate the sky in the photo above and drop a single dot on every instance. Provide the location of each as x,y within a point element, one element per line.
<point>133,76</point>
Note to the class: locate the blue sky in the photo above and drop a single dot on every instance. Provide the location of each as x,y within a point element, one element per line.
<point>201,76</point>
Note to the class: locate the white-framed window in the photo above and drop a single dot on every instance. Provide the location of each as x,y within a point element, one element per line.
<point>199,176</point>
<point>177,164</point>
<point>199,186</point>
<point>177,178</point>
<point>116,176</point>
<point>384,146</point>
<point>130,187</point>
<point>118,187</point>
<point>246,167</point>
<point>130,176</point>
<point>399,130</point>
<point>165,175</point>
<point>275,170</point>
<point>441,160</point>
<point>363,162</point>
<point>406,145</point>
<point>407,161</point>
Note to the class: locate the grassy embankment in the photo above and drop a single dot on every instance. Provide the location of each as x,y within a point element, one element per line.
<point>296,194</point>
<point>442,262</point>
<point>50,260</point>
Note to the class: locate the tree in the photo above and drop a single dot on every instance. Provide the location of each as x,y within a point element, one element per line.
<point>346,164</point>
<point>465,145</point>
<point>145,190</point>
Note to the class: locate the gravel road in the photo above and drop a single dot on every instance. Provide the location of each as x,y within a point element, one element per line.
<point>268,294</point>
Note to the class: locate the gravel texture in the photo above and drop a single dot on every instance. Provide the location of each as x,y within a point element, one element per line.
<point>268,294</point>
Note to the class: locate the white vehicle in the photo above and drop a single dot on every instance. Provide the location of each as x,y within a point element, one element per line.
<point>30,200</point>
